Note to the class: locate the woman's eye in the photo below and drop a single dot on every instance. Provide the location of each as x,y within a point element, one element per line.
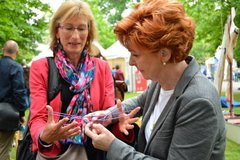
<point>69,28</point>
<point>81,29</point>
<point>135,55</point>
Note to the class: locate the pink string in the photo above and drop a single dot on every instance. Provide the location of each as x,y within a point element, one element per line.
<point>85,119</point>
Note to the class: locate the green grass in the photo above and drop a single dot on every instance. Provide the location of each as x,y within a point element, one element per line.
<point>232,151</point>
<point>236,98</point>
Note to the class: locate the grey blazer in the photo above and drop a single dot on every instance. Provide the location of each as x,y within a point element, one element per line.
<point>191,126</point>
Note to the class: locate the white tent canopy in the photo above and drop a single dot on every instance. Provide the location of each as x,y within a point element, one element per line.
<point>116,50</point>
<point>98,45</point>
<point>45,51</point>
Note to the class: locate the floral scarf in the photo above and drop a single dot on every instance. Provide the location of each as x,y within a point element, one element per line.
<point>80,79</point>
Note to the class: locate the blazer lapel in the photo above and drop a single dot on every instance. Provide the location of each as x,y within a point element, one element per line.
<point>161,119</point>
<point>146,116</point>
<point>151,106</point>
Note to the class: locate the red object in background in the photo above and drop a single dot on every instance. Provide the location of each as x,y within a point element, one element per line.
<point>141,83</point>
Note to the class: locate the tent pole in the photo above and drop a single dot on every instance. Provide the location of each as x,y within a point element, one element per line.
<point>231,91</point>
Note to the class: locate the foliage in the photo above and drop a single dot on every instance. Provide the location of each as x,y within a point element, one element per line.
<point>20,20</point>
<point>106,36</point>
<point>210,17</point>
<point>111,10</point>
<point>107,13</point>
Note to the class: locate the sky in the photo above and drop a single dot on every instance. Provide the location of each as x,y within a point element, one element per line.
<point>53,3</point>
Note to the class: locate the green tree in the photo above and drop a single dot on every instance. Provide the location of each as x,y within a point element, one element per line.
<point>20,20</point>
<point>210,17</point>
<point>107,13</point>
<point>24,22</point>
<point>106,36</point>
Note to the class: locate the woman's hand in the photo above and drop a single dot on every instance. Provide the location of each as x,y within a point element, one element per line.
<point>101,137</point>
<point>104,117</point>
<point>126,120</point>
<point>55,131</point>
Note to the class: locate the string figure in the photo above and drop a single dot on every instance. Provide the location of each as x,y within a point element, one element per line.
<point>84,120</point>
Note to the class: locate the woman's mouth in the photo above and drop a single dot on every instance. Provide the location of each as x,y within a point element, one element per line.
<point>74,44</point>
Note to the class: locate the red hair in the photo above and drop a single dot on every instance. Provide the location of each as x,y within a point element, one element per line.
<point>157,24</point>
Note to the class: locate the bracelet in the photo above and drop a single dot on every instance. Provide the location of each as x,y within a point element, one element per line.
<point>44,144</point>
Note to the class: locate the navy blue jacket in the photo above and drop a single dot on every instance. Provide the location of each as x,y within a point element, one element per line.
<point>12,86</point>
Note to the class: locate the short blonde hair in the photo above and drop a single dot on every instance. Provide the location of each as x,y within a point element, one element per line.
<point>68,10</point>
<point>155,24</point>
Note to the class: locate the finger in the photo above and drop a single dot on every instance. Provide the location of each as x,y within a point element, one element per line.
<point>96,117</point>
<point>119,106</point>
<point>134,111</point>
<point>74,131</point>
<point>125,132</point>
<point>62,122</point>
<point>88,131</point>
<point>71,125</point>
<point>129,126</point>
<point>88,117</point>
<point>121,113</point>
<point>99,128</point>
<point>95,131</point>
<point>133,120</point>
<point>50,114</point>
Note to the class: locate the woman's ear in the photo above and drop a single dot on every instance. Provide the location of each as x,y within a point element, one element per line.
<point>165,54</point>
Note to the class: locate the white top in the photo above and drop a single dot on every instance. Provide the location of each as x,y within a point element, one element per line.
<point>160,105</point>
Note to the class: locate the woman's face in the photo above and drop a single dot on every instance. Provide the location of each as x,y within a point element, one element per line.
<point>149,64</point>
<point>73,34</point>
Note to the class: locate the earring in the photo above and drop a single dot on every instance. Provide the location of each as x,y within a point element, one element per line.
<point>57,41</point>
<point>164,63</point>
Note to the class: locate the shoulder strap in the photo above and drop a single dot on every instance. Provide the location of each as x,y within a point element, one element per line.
<point>53,79</point>
<point>53,89</point>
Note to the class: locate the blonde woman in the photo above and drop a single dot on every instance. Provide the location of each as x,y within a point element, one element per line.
<point>86,85</point>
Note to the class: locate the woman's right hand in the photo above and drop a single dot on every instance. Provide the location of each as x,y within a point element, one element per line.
<point>104,117</point>
<point>55,131</point>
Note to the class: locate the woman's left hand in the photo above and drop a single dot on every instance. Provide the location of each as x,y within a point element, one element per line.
<point>126,120</point>
<point>101,137</point>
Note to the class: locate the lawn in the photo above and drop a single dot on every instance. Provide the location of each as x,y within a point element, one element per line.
<point>232,151</point>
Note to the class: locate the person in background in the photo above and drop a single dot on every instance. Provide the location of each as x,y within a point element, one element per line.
<point>86,86</point>
<point>121,86</point>
<point>181,112</point>
<point>113,72</point>
<point>119,74</point>
<point>12,90</point>
<point>26,70</point>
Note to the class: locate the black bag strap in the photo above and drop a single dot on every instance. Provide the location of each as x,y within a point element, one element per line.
<point>54,86</point>
<point>54,83</point>
<point>53,79</point>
